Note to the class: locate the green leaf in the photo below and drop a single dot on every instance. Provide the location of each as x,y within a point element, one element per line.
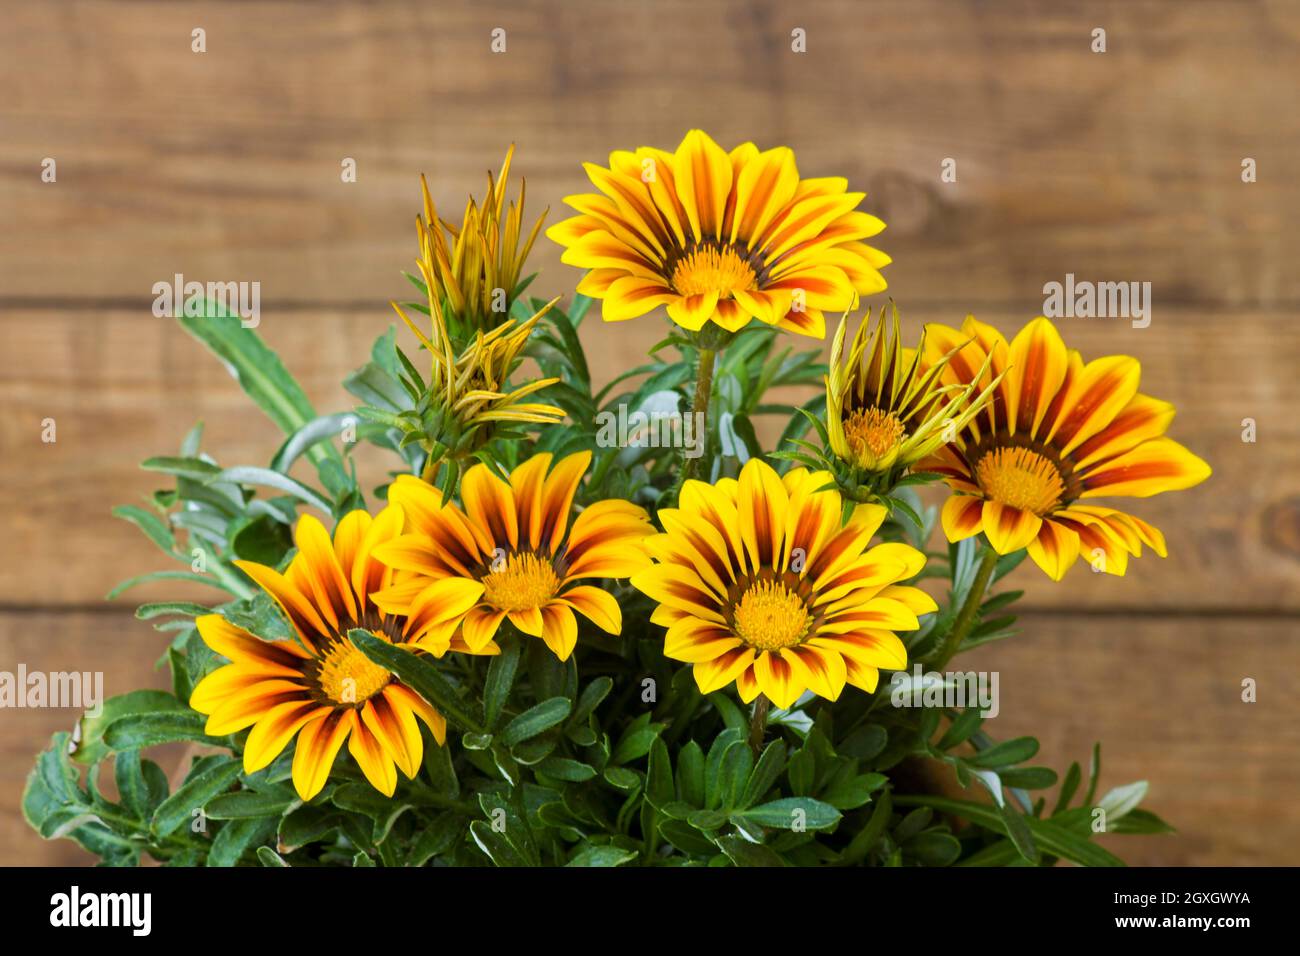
<point>147,612</point>
<point>636,740</point>
<point>237,837</point>
<point>199,469</point>
<point>967,722</point>
<point>500,679</point>
<point>1021,832</point>
<point>1139,821</point>
<point>933,849</point>
<point>851,792</point>
<point>136,731</point>
<point>792,812</point>
<point>590,699</point>
<point>170,576</point>
<point>1047,835</point>
<point>364,799</point>
<point>1028,778</point>
<point>1069,788</point>
<point>567,769</point>
<point>497,848</point>
<point>436,839</point>
<point>141,784</point>
<point>535,720</point>
<point>601,855</point>
<point>309,435</point>
<point>306,824</point>
<point>157,530</point>
<point>201,786</point>
<point>690,774</point>
<point>423,677</point>
<point>1122,800</point>
<point>869,835</point>
<point>1006,753</point>
<point>90,747</point>
<point>743,853</point>
<point>258,370</point>
<point>248,804</point>
<point>264,540</point>
<point>268,857</point>
<point>1094,774</point>
<point>246,475</point>
<point>765,775</point>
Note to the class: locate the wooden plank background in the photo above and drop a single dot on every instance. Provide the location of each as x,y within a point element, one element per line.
<point>1123,166</point>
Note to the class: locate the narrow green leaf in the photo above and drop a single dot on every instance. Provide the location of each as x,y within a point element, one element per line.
<point>791,812</point>
<point>256,368</point>
<point>191,796</point>
<point>423,677</point>
<point>246,475</point>
<point>535,720</point>
<point>500,679</point>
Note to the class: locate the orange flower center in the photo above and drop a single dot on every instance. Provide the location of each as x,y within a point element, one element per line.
<point>349,677</point>
<point>770,616</point>
<point>713,269</point>
<point>873,433</point>
<point>520,582</point>
<point>1021,478</point>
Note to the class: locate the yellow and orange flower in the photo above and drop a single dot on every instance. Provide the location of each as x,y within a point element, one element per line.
<point>720,237</point>
<point>886,408</point>
<point>758,582</point>
<point>517,544</point>
<point>321,688</point>
<point>1058,432</point>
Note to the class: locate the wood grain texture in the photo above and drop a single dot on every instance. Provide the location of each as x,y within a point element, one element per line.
<point>225,165</point>
<point>1123,166</point>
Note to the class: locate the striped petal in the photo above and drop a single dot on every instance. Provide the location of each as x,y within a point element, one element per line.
<point>703,177</point>
<point>1009,529</point>
<point>318,744</point>
<point>1151,468</point>
<point>1055,549</point>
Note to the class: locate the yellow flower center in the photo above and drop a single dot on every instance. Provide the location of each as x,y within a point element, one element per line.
<point>710,269</point>
<point>523,581</point>
<point>770,616</point>
<point>872,433</point>
<point>1021,478</point>
<point>349,677</point>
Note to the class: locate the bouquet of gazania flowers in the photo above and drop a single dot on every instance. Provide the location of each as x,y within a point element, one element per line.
<point>538,644</point>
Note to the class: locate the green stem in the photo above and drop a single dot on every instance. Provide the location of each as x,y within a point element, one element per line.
<point>228,577</point>
<point>758,724</point>
<point>969,610</point>
<point>699,413</point>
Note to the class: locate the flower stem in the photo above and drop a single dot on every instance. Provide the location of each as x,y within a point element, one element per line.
<point>758,723</point>
<point>699,413</point>
<point>969,610</point>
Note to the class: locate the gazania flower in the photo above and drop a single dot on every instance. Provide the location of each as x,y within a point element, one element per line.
<point>477,274</point>
<point>1057,433</point>
<point>884,408</point>
<point>469,399</point>
<point>720,237</point>
<point>472,343</point>
<point>758,583</point>
<point>322,689</point>
<point>518,544</point>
